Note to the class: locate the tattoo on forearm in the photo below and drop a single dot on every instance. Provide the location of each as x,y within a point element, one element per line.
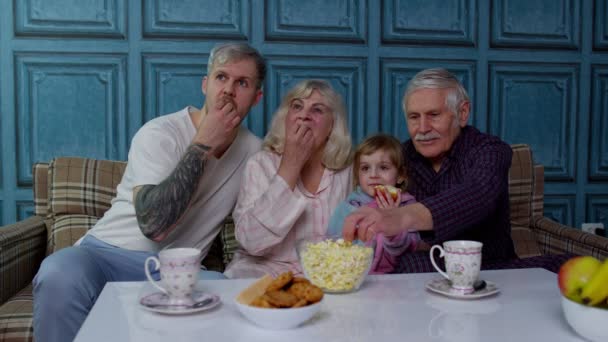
<point>159,207</point>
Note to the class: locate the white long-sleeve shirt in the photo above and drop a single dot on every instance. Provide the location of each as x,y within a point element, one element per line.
<point>271,218</point>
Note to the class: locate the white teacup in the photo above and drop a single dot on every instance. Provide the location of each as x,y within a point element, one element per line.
<point>179,268</point>
<point>462,263</point>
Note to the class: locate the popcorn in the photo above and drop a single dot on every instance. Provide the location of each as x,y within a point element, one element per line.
<point>338,265</point>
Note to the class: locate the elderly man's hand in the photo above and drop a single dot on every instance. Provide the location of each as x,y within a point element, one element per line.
<point>365,222</point>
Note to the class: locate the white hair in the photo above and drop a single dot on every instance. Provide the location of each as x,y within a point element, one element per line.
<point>437,78</point>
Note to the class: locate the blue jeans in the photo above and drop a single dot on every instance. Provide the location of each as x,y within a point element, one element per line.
<point>70,280</point>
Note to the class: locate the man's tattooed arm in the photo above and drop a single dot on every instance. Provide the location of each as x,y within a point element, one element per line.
<point>159,207</point>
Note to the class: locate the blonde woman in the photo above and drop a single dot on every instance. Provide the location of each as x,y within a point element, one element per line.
<point>291,188</point>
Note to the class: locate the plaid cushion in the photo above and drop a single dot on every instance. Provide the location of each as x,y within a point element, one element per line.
<point>538,191</point>
<point>16,317</point>
<point>22,250</point>
<point>40,188</point>
<point>214,260</point>
<point>228,239</point>
<point>521,181</point>
<point>83,186</point>
<point>555,238</point>
<point>67,229</point>
<point>525,242</point>
<point>520,185</point>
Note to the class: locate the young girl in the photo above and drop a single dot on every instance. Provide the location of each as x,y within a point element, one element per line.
<point>378,162</point>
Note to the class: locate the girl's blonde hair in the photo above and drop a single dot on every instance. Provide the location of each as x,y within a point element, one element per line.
<point>338,148</point>
<point>388,144</point>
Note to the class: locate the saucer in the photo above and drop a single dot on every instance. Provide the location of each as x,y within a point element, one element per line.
<point>443,286</point>
<point>159,302</point>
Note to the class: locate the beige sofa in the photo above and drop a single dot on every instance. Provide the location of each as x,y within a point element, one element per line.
<point>71,194</point>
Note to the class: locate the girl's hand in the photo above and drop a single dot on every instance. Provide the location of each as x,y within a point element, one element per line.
<point>386,201</point>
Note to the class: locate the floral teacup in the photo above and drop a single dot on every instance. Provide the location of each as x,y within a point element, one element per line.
<point>462,263</point>
<point>179,268</point>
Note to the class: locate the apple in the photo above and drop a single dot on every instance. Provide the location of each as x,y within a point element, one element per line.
<point>385,190</point>
<point>574,274</point>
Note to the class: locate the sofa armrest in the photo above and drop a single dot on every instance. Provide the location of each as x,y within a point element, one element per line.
<point>556,238</point>
<point>22,248</point>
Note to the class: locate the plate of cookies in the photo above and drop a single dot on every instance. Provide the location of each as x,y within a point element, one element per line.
<point>283,302</point>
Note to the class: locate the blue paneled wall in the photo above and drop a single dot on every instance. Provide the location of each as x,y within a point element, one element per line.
<point>80,77</point>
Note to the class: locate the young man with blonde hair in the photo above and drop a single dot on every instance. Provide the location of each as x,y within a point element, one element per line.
<point>181,181</point>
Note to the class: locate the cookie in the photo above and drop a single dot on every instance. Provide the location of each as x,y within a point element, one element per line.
<point>300,280</point>
<point>282,299</point>
<point>261,302</point>
<point>306,291</point>
<point>280,281</point>
<point>313,294</point>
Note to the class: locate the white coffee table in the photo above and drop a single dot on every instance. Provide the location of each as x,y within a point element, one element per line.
<point>386,308</point>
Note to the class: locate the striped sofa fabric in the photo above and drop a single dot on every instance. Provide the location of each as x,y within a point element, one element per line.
<point>523,189</point>
<point>80,191</point>
<point>532,233</point>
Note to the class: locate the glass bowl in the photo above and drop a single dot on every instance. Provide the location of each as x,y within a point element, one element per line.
<point>335,265</point>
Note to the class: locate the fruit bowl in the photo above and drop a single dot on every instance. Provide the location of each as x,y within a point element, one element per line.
<point>588,321</point>
<point>272,318</point>
<point>335,265</point>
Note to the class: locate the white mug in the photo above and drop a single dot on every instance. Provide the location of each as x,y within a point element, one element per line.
<point>179,268</point>
<point>462,263</point>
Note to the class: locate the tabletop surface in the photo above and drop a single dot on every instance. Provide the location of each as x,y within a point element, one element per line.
<point>386,307</point>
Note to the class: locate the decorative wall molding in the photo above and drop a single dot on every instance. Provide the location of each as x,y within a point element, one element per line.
<point>80,77</point>
<point>71,18</point>
<point>430,22</point>
<point>598,147</point>
<point>536,104</point>
<point>197,19</point>
<point>61,96</point>
<point>334,21</point>
<point>24,209</point>
<point>536,24</point>
<point>172,82</point>
<point>597,209</point>
<point>560,208</point>
<point>600,27</point>
<point>395,74</point>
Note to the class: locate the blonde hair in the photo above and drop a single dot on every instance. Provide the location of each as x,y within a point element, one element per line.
<point>337,151</point>
<point>386,143</point>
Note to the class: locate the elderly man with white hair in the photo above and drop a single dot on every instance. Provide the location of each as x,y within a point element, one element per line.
<point>458,175</point>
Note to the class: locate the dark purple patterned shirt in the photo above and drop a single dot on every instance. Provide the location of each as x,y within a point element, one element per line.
<point>469,196</point>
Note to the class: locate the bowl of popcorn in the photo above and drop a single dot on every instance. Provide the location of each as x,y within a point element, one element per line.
<point>284,302</point>
<point>334,264</point>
